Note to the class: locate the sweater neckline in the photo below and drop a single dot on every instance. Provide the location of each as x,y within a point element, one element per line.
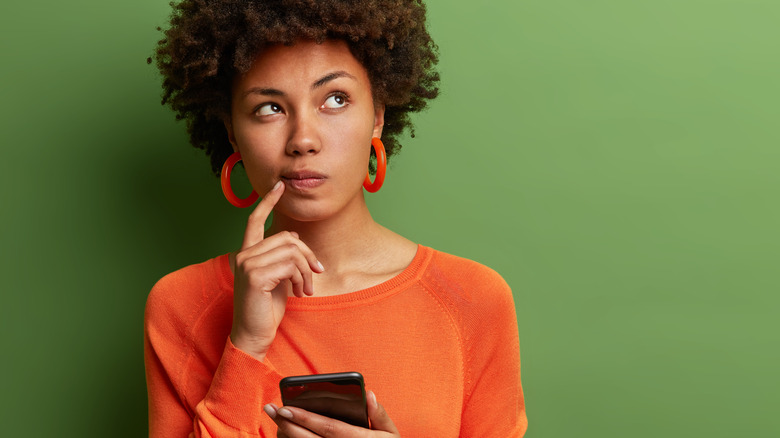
<point>410,274</point>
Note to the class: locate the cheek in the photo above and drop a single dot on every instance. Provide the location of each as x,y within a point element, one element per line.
<point>256,145</point>
<point>352,137</point>
<point>351,149</point>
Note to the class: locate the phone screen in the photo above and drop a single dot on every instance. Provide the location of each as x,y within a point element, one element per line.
<point>341,396</point>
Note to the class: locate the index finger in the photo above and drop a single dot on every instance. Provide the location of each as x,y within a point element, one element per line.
<point>255,226</point>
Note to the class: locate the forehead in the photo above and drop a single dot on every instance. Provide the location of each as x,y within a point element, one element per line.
<point>300,64</point>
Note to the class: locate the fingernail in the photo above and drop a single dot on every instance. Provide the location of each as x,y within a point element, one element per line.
<point>294,234</point>
<point>270,411</point>
<point>278,184</point>
<point>285,413</point>
<point>372,398</point>
<point>319,265</point>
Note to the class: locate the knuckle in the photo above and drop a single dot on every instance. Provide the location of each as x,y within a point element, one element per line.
<point>328,429</point>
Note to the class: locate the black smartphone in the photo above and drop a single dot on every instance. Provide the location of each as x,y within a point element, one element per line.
<point>341,396</point>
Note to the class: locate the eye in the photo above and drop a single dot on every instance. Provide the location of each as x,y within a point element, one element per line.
<point>268,109</point>
<point>335,101</point>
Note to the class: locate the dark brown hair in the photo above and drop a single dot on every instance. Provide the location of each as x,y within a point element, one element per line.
<point>210,41</point>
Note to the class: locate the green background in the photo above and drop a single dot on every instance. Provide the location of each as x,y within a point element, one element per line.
<point>616,161</point>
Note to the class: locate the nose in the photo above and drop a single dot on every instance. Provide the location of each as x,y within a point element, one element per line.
<point>304,138</point>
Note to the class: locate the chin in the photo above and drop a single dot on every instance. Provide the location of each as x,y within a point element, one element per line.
<point>305,211</point>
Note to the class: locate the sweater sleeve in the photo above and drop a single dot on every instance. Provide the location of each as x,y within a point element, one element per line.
<point>234,404</point>
<point>494,405</point>
<point>240,385</point>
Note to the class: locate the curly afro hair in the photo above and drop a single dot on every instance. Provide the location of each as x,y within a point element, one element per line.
<point>209,42</point>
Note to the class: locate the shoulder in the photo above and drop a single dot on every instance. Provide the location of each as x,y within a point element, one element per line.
<point>460,272</point>
<point>182,294</point>
<point>467,284</point>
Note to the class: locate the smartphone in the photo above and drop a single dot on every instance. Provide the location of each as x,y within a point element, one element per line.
<point>341,396</point>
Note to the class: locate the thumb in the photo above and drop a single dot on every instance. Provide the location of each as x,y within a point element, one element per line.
<point>378,416</point>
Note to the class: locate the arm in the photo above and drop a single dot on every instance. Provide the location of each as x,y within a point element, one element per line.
<point>494,405</point>
<point>232,407</point>
<point>244,380</point>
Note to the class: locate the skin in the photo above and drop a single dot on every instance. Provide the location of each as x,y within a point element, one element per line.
<point>302,118</point>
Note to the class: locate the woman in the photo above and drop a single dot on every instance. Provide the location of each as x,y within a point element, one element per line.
<point>305,94</point>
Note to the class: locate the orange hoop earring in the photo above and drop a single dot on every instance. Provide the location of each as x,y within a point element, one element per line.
<point>227,169</point>
<point>381,167</point>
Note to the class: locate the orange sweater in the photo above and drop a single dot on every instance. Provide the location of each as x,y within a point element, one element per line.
<point>437,344</point>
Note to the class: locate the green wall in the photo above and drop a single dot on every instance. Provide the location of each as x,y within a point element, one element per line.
<point>616,161</point>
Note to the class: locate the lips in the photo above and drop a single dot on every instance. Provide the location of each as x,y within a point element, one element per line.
<point>303,179</point>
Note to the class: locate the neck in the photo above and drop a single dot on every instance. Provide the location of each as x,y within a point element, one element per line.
<point>356,252</point>
<point>340,242</point>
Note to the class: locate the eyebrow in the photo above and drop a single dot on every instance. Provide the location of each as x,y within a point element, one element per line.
<point>329,77</point>
<point>317,84</point>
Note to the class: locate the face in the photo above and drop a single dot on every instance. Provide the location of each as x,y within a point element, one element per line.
<point>304,114</point>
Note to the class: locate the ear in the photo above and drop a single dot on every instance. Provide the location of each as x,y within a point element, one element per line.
<point>231,135</point>
<point>379,120</point>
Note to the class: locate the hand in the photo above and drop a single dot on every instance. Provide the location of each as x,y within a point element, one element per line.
<point>266,268</point>
<point>298,423</point>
